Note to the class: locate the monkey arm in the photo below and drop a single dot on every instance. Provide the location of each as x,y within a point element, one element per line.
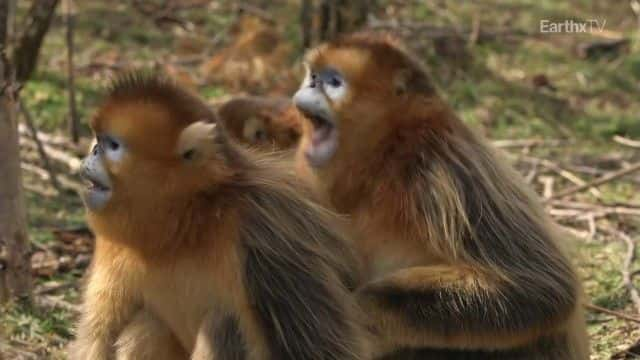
<point>449,306</point>
<point>108,306</point>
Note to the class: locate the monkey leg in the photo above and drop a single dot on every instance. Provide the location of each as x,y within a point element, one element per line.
<point>147,338</point>
<point>109,304</point>
<point>460,307</point>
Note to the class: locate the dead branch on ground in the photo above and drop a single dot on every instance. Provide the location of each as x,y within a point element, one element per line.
<point>41,151</point>
<point>597,182</point>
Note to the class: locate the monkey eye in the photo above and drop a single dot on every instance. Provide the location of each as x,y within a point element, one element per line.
<point>335,81</point>
<point>108,143</point>
<point>189,154</point>
<point>112,147</point>
<point>112,144</point>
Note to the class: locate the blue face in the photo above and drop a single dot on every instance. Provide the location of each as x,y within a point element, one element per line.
<point>328,77</point>
<point>94,171</point>
<point>315,100</point>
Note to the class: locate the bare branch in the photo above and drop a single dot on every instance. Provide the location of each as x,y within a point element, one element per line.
<point>575,179</point>
<point>41,151</point>
<point>73,110</point>
<point>612,312</point>
<point>627,142</point>
<point>25,54</point>
<point>597,182</point>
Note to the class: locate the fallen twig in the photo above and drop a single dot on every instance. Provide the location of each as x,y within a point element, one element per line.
<point>575,179</point>
<point>627,278</point>
<point>509,143</point>
<point>50,139</point>
<point>70,160</point>
<point>591,206</point>
<point>597,182</point>
<point>547,182</point>
<point>533,172</point>
<point>54,302</point>
<point>56,287</point>
<point>611,312</point>
<point>627,142</point>
<point>65,182</point>
<point>627,273</point>
<point>18,352</point>
<point>45,192</point>
<point>575,205</point>
<point>633,352</point>
<point>41,151</point>
<point>595,211</point>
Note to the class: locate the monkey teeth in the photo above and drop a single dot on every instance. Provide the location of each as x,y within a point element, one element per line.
<point>323,140</point>
<point>321,134</point>
<point>94,185</point>
<point>318,121</point>
<point>322,128</point>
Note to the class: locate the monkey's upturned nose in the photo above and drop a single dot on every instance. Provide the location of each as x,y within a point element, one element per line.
<point>309,99</point>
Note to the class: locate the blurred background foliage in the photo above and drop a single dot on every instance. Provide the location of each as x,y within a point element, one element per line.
<point>564,106</point>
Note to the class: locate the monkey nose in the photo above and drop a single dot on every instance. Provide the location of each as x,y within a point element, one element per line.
<point>306,99</point>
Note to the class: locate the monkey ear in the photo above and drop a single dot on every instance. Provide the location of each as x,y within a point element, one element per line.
<point>410,81</point>
<point>401,81</point>
<point>255,129</point>
<point>197,141</point>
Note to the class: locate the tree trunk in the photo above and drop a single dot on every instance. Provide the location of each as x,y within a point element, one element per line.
<point>15,279</point>
<point>73,110</point>
<point>306,23</point>
<point>11,21</point>
<point>337,17</point>
<point>25,55</point>
<point>326,14</point>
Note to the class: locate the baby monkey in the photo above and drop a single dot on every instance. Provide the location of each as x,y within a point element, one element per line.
<point>266,123</point>
<point>204,250</point>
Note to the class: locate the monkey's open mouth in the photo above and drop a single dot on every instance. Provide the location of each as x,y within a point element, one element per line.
<point>322,127</point>
<point>324,139</point>
<point>93,184</point>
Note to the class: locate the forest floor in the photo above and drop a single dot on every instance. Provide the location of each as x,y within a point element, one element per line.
<point>564,108</point>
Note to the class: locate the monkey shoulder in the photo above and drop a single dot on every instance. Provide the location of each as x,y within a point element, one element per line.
<point>293,277</point>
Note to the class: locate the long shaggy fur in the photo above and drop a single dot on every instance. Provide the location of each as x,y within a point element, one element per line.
<point>224,249</point>
<point>482,267</point>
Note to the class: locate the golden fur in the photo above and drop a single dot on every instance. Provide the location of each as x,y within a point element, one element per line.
<point>205,249</point>
<point>460,260</point>
<point>266,123</point>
